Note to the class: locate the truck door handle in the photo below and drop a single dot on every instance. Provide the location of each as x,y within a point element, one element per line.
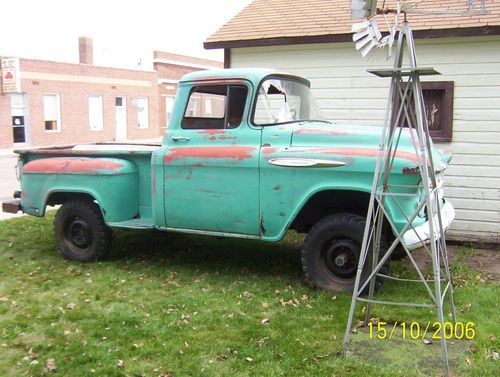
<point>180,138</point>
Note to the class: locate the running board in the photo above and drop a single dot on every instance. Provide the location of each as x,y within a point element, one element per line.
<point>141,223</point>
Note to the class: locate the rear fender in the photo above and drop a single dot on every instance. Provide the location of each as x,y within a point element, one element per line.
<point>112,182</point>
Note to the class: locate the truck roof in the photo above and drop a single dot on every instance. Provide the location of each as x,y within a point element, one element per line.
<point>255,75</point>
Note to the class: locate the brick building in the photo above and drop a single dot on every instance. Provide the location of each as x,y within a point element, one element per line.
<point>62,103</point>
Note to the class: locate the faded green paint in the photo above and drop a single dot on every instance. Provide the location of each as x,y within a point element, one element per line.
<point>220,182</point>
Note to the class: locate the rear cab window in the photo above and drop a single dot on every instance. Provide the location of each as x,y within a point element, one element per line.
<point>215,107</point>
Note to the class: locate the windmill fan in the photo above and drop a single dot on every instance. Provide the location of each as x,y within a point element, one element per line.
<point>367,34</point>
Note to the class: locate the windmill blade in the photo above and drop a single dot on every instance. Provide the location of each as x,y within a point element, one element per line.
<point>360,34</point>
<point>363,42</point>
<point>366,50</point>
<point>375,30</point>
<point>358,26</point>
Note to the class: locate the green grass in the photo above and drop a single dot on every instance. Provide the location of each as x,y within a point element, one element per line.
<point>189,305</point>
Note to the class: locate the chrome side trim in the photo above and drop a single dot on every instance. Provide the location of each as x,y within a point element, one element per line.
<point>306,163</point>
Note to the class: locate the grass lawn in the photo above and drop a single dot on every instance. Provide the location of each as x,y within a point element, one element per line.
<point>179,305</point>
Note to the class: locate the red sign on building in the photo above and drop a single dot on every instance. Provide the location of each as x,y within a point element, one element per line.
<point>11,82</point>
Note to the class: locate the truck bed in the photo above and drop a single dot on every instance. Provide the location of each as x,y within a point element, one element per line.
<point>139,155</point>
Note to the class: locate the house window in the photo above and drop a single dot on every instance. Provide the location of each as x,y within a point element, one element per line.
<point>96,117</point>
<point>18,111</point>
<point>142,112</point>
<point>438,99</point>
<point>215,107</point>
<point>51,112</point>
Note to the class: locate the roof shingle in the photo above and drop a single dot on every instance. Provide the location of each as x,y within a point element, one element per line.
<point>274,19</point>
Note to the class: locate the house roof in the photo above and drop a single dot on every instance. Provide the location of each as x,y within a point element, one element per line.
<point>281,22</point>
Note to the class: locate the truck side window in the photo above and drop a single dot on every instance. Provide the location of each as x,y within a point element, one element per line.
<point>215,107</point>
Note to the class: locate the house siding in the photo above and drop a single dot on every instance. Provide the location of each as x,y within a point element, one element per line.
<point>347,93</point>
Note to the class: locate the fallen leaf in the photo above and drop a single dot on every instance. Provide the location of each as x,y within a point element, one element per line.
<point>375,320</point>
<point>265,305</point>
<point>248,295</point>
<point>468,360</point>
<point>120,364</point>
<point>71,306</point>
<point>334,298</point>
<point>263,342</point>
<point>360,323</point>
<point>265,321</point>
<point>492,355</point>
<point>249,359</point>
<point>51,365</point>
<point>300,341</point>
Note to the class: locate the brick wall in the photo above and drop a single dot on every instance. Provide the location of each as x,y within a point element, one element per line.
<point>74,83</point>
<point>5,122</point>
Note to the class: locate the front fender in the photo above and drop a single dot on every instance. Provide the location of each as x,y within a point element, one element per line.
<point>276,223</point>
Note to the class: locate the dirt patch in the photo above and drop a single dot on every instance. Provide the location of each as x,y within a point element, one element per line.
<point>407,354</point>
<point>487,260</point>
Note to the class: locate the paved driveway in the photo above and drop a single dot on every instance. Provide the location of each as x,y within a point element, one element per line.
<point>8,180</point>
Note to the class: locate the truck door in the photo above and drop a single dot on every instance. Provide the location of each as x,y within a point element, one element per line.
<point>211,162</point>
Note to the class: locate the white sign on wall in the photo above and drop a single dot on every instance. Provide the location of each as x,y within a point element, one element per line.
<point>11,75</point>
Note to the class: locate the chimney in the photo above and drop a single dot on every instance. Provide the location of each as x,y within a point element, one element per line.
<point>86,51</point>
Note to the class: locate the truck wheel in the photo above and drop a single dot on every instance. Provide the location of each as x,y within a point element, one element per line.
<point>331,253</point>
<point>80,231</point>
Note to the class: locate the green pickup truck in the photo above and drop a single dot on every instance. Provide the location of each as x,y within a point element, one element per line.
<point>247,155</point>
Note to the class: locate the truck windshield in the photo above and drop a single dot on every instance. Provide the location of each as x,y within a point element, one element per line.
<point>284,100</point>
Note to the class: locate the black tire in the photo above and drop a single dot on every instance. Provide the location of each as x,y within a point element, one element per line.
<point>331,251</point>
<point>80,231</point>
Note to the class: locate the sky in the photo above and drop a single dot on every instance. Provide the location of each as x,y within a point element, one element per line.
<point>124,32</point>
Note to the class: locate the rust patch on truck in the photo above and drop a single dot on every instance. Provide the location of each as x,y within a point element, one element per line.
<point>211,132</point>
<point>269,150</point>
<point>70,165</point>
<point>231,152</point>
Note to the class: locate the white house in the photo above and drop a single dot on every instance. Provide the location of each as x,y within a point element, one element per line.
<point>313,39</point>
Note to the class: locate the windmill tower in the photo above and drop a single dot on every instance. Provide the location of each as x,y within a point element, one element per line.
<point>405,105</point>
